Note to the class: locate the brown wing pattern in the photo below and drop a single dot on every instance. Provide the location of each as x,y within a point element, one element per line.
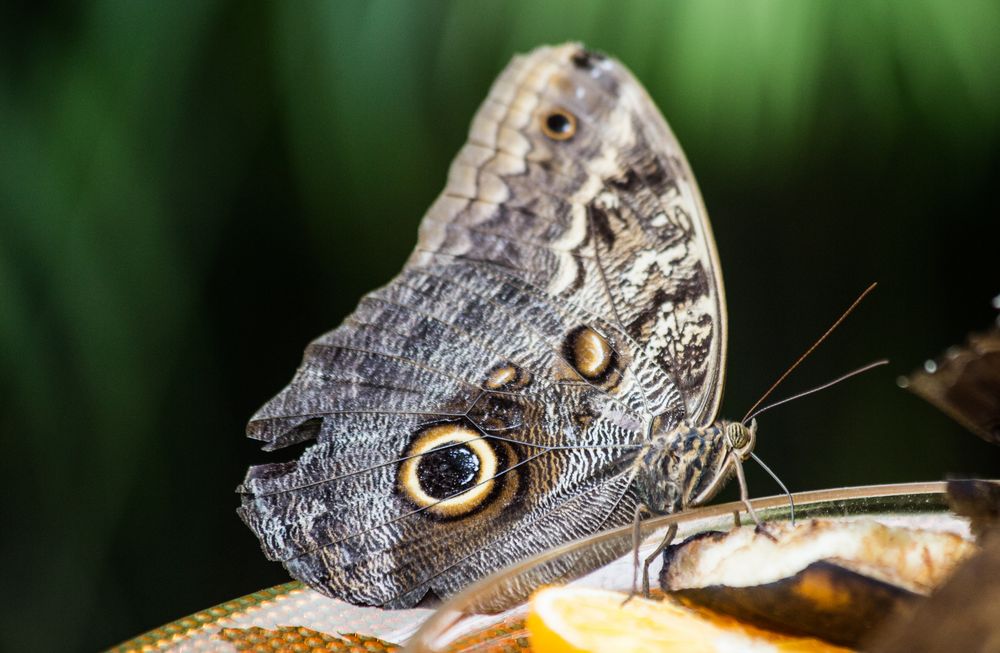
<point>485,404</point>
<point>965,384</point>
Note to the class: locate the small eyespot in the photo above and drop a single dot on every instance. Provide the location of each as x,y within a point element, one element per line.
<point>590,353</point>
<point>559,125</point>
<point>507,376</point>
<point>586,59</point>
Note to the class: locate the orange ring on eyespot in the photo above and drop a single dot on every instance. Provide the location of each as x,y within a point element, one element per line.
<point>559,125</point>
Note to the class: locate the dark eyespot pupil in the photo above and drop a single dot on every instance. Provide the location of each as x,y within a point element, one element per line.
<point>558,123</point>
<point>447,471</point>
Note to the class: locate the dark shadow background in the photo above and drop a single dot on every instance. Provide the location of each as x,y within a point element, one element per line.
<point>190,191</point>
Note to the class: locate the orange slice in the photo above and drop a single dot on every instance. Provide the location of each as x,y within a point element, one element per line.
<point>579,620</point>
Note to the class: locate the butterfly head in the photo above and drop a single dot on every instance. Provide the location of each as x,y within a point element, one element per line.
<point>741,437</point>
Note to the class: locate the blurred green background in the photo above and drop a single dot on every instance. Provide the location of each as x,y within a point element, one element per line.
<point>190,191</point>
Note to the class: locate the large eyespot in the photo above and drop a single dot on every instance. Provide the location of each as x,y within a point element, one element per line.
<point>589,353</point>
<point>450,470</point>
<point>559,125</point>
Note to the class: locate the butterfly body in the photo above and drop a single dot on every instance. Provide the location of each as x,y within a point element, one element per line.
<point>561,320</point>
<point>688,465</point>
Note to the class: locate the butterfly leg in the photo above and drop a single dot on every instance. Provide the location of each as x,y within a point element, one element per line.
<point>745,498</point>
<point>667,539</point>
<point>636,541</point>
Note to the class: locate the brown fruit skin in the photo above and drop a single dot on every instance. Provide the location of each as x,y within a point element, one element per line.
<point>823,600</point>
<point>963,614</point>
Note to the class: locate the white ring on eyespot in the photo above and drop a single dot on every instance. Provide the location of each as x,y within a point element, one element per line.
<point>460,504</point>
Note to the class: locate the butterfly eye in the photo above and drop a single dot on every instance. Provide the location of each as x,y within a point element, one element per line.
<point>738,435</point>
<point>449,470</point>
<point>559,125</point>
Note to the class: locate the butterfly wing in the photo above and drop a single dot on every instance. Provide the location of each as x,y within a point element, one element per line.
<point>370,513</point>
<point>481,406</point>
<point>965,384</point>
<point>610,218</point>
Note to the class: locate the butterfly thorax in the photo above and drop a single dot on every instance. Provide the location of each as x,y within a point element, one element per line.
<point>687,465</point>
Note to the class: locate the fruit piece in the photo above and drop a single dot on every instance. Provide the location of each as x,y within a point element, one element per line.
<point>837,580</point>
<point>579,620</point>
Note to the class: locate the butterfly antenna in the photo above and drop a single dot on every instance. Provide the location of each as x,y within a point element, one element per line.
<point>850,309</point>
<point>791,501</point>
<point>869,366</point>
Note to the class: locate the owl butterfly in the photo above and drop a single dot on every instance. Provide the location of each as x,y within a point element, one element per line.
<point>550,356</point>
<point>965,382</point>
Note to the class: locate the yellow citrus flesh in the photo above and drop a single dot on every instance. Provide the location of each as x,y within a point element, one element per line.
<point>578,620</point>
